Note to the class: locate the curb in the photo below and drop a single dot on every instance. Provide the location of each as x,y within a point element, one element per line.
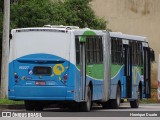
<point>12,107</point>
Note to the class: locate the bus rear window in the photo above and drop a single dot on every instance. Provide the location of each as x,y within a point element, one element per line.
<point>40,70</point>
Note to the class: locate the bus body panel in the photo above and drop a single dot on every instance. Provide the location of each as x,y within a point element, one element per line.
<point>31,41</point>
<point>120,77</point>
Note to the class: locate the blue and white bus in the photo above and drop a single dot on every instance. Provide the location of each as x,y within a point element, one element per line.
<point>73,67</point>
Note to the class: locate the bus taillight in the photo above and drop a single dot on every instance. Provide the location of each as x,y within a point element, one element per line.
<point>65,77</point>
<point>15,76</point>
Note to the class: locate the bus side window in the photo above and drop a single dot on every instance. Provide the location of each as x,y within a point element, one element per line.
<point>137,52</point>
<point>94,49</point>
<point>77,50</point>
<point>116,51</point>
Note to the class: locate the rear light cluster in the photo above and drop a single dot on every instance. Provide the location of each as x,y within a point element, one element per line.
<point>15,76</point>
<point>65,78</point>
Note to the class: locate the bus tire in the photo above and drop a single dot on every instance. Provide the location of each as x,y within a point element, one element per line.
<point>135,103</point>
<point>29,105</point>
<point>115,103</point>
<point>86,106</point>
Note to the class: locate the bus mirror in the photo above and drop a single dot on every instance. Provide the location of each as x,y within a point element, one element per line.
<point>152,56</point>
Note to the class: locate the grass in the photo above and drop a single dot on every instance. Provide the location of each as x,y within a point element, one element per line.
<point>148,101</point>
<point>153,98</point>
<point>5,101</point>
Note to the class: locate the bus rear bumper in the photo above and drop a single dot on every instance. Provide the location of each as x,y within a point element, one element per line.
<point>40,93</point>
<point>41,98</point>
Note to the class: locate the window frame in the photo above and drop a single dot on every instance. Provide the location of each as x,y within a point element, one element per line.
<point>94,49</point>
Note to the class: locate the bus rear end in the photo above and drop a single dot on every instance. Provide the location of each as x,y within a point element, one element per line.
<point>39,66</point>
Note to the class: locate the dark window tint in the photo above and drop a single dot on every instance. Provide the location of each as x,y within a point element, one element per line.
<point>94,49</point>
<point>39,70</point>
<point>116,51</point>
<point>136,53</point>
<point>77,50</point>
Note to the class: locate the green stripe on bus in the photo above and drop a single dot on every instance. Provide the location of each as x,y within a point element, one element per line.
<point>115,69</point>
<point>95,71</point>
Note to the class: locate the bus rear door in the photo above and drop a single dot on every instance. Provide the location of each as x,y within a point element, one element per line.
<point>82,67</point>
<point>147,70</point>
<point>127,68</point>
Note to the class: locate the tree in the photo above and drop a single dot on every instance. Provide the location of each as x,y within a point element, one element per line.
<point>1,5</point>
<point>32,13</point>
<point>81,14</point>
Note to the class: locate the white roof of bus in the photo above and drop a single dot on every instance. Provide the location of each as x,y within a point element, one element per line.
<point>39,28</point>
<point>60,28</point>
<point>126,36</point>
<point>64,28</point>
<point>49,28</point>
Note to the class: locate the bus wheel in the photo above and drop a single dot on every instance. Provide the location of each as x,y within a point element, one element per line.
<point>29,105</point>
<point>115,103</point>
<point>86,106</point>
<point>135,103</point>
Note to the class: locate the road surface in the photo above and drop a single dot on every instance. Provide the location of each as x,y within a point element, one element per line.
<point>144,112</point>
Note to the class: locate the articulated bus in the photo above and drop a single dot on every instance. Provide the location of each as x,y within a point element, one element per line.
<point>73,67</point>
